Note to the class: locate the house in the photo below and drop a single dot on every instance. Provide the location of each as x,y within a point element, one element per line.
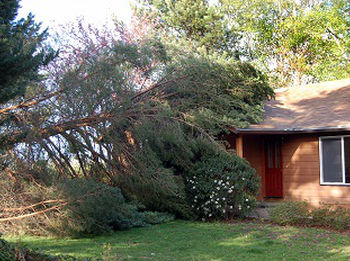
<point>302,148</point>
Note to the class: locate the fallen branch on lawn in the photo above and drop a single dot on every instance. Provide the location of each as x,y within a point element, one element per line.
<point>32,206</point>
<point>34,213</point>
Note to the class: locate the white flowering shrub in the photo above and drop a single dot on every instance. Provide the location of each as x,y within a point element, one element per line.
<point>222,186</point>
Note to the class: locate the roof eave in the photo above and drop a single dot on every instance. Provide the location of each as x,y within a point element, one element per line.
<point>290,130</point>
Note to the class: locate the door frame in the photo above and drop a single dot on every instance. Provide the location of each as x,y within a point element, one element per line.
<point>264,159</point>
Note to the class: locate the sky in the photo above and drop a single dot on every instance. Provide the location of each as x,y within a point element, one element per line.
<point>55,12</point>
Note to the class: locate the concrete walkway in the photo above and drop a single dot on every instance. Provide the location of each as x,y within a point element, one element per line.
<point>262,210</point>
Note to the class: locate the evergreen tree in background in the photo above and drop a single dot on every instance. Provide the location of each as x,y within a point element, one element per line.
<point>293,42</point>
<point>21,51</point>
<point>197,26</point>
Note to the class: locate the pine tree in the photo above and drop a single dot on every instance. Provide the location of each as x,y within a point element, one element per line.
<point>198,25</point>
<point>22,51</point>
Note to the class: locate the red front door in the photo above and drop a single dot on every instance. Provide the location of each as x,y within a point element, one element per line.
<point>273,168</point>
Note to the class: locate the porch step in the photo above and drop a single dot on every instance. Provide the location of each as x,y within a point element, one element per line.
<point>260,213</point>
<point>268,204</point>
<point>262,210</point>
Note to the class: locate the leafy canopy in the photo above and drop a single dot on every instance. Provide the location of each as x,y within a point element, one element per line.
<point>296,41</point>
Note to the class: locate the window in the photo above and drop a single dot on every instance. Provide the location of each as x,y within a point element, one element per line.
<point>273,152</point>
<point>335,160</point>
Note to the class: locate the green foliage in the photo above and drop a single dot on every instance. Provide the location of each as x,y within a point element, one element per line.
<point>96,208</point>
<point>296,41</point>
<point>331,216</point>
<point>79,207</point>
<point>194,25</point>
<point>215,94</point>
<point>199,97</point>
<point>7,253</point>
<point>290,213</point>
<point>131,116</point>
<point>292,41</point>
<point>22,51</point>
<point>222,185</point>
<point>153,218</point>
<point>164,152</point>
<point>300,213</point>
<point>170,151</point>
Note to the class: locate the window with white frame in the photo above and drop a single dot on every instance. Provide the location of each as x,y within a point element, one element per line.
<point>335,160</point>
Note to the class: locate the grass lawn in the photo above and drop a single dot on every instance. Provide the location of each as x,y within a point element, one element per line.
<point>181,240</point>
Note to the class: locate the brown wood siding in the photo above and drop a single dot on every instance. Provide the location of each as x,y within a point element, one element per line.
<point>252,152</point>
<point>301,173</point>
<point>301,169</point>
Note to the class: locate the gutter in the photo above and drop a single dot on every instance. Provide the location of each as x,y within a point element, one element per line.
<point>288,130</point>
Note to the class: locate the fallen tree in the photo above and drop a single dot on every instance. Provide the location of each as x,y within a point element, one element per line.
<point>90,118</point>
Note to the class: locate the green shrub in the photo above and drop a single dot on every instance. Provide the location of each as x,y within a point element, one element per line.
<point>322,216</point>
<point>79,207</point>
<point>290,213</point>
<point>174,156</point>
<point>163,151</point>
<point>341,218</point>
<point>153,218</point>
<point>7,253</point>
<point>164,191</point>
<point>300,213</point>
<point>331,216</point>
<point>221,185</point>
<point>96,208</point>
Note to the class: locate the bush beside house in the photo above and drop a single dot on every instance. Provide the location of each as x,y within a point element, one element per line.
<point>301,213</point>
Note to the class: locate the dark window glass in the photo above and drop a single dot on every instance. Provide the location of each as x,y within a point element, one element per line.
<point>270,156</point>
<point>277,155</point>
<point>347,159</point>
<point>331,160</point>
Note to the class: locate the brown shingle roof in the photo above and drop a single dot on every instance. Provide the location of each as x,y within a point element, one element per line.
<point>322,105</point>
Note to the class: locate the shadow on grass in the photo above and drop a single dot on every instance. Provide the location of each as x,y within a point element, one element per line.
<point>181,240</point>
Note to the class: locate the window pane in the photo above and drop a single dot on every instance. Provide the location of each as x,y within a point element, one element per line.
<point>269,156</point>
<point>347,159</point>
<point>277,155</point>
<point>331,160</point>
